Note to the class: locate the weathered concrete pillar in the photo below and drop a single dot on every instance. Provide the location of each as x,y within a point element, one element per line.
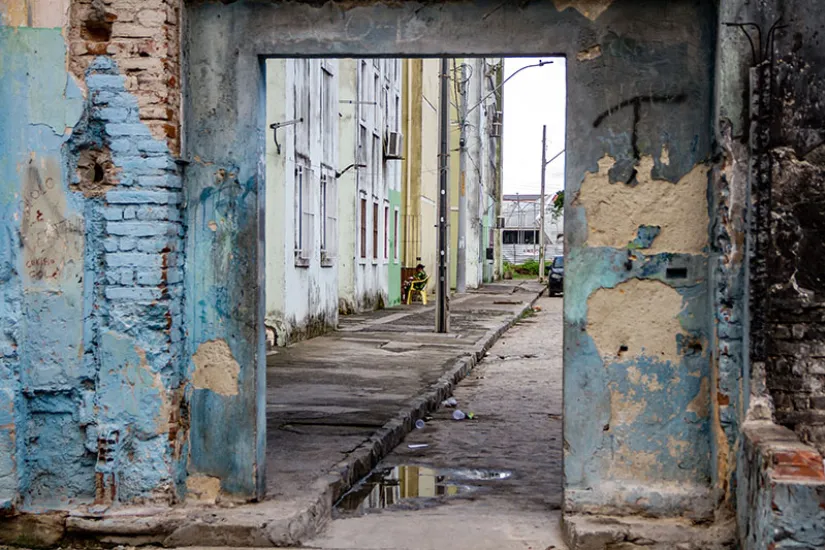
<point>637,370</point>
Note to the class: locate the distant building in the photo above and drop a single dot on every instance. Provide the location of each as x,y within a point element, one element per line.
<point>520,236</point>
<point>370,184</point>
<point>483,169</point>
<point>301,199</point>
<point>419,181</point>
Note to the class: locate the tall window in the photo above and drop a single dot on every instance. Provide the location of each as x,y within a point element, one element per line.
<point>377,160</point>
<point>362,145</point>
<point>363,227</point>
<point>364,91</point>
<point>396,234</point>
<point>377,98</point>
<point>299,188</point>
<point>329,215</point>
<point>397,113</point>
<point>329,112</point>
<point>375,230</point>
<point>303,85</point>
<point>304,213</point>
<point>386,232</point>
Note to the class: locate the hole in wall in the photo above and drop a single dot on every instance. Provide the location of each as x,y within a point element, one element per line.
<point>96,173</point>
<point>676,273</point>
<point>97,26</point>
<point>97,31</point>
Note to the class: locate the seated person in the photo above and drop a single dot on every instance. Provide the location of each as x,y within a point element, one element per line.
<point>418,280</point>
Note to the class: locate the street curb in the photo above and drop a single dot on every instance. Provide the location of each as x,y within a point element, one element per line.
<point>265,524</point>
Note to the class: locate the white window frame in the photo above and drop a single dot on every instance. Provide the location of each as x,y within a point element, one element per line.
<point>396,221</point>
<point>303,106</point>
<point>385,227</point>
<point>304,213</point>
<point>328,211</point>
<point>329,112</point>
<point>363,227</point>
<point>377,108</point>
<point>375,230</point>
<point>364,89</point>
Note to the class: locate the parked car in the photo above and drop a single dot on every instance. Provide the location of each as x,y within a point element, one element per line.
<point>555,279</point>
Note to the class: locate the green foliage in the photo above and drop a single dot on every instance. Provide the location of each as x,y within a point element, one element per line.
<point>530,267</point>
<point>558,205</point>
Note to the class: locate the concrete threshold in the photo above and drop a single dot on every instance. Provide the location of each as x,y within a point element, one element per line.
<point>601,532</point>
<point>273,522</point>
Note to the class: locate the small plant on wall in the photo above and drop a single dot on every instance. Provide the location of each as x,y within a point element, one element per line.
<point>558,205</point>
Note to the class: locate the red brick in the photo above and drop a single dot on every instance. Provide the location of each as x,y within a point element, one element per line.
<point>798,464</point>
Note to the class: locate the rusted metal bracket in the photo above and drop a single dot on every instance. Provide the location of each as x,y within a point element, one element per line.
<point>277,125</point>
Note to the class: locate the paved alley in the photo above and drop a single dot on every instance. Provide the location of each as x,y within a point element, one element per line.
<point>514,442</point>
<point>338,402</point>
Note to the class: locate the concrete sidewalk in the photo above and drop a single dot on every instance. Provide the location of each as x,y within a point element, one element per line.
<point>336,405</point>
<point>329,397</point>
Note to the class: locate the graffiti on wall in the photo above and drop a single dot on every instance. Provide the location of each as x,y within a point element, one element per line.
<point>52,238</point>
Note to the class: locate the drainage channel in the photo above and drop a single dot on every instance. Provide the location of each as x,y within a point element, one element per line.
<point>414,486</point>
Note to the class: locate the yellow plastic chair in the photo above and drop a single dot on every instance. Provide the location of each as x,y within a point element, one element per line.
<point>422,292</point>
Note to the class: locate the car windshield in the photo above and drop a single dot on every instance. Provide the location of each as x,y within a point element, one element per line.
<point>558,261</point>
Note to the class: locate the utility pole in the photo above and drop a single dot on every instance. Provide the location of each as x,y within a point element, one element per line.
<point>461,262</point>
<point>442,308</point>
<point>541,229</point>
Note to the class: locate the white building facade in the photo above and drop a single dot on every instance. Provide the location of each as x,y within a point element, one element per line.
<point>484,167</point>
<point>301,222</point>
<point>369,201</point>
<point>521,232</point>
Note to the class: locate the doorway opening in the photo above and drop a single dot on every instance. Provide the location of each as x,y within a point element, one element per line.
<point>351,223</point>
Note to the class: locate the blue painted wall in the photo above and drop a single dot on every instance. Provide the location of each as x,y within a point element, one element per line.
<point>90,286</point>
<point>42,363</point>
<point>658,462</point>
<point>225,302</point>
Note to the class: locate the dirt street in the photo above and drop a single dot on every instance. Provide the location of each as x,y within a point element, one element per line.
<point>493,481</point>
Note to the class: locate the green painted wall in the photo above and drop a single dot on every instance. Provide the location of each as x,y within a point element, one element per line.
<point>394,265</point>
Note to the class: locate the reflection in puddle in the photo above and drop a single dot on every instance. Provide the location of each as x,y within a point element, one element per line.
<point>390,486</point>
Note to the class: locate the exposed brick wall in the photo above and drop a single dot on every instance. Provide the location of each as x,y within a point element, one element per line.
<point>134,257</point>
<point>796,335</point>
<point>126,54</point>
<point>143,37</point>
<point>795,260</point>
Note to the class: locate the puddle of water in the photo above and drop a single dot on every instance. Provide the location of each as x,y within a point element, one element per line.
<point>391,486</point>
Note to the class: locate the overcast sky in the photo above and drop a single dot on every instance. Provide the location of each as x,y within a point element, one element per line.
<point>533,97</point>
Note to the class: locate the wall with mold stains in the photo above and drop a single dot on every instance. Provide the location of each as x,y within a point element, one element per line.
<point>42,364</point>
<point>302,285</point>
<point>794,328</point>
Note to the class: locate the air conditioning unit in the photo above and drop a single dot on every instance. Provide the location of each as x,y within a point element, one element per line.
<point>494,123</point>
<point>393,145</point>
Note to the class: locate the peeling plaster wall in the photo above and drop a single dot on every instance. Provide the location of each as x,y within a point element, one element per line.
<point>41,279</point>
<point>90,280</point>
<point>637,369</point>
<point>225,147</point>
<point>644,103</point>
